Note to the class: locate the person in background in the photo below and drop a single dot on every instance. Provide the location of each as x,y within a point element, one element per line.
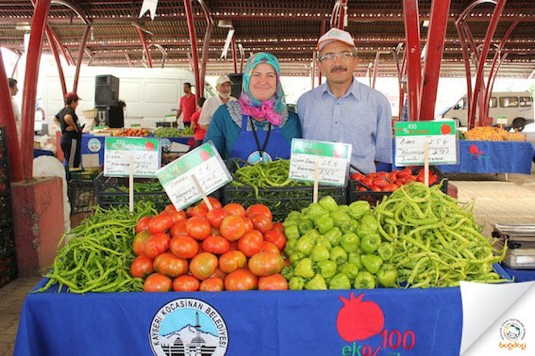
<point>13,90</point>
<point>198,131</point>
<point>258,126</point>
<point>344,110</point>
<point>187,105</point>
<point>71,132</point>
<point>224,88</point>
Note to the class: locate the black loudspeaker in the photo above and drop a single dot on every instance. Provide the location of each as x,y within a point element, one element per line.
<point>111,116</point>
<point>106,90</point>
<point>236,81</point>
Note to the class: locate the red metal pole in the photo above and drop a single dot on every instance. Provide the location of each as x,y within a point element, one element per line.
<point>342,14</point>
<point>193,41</point>
<point>322,31</point>
<point>234,59</point>
<point>414,67</point>
<point>206,46</point>
<point>81,52</point>
<point>66,54</point>
<point>7,119</point>
<point>145,47</point>
<point>436,36</point>
<point>461,31</point>
<point>54,48</point>
<point>30,84</point>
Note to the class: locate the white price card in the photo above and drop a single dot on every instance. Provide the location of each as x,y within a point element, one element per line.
<point>205,164</point>
<point>411,138</point>
<point>332,159</point>
<point>145,151</point>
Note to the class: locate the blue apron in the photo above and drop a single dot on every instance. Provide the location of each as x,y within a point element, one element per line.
<point>247,149</point>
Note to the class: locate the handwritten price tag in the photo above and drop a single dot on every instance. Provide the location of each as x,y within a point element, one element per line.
<point>411,137</point>
<point>205,164</point>
<point>145,152</point>
<point>333,161</point>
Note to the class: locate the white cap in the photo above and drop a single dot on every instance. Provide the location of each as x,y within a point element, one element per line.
<point>223,79</point>
<point>335,34</point>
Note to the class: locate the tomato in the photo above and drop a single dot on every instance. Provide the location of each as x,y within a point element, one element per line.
<point>380,182</point>
<point>216,216</point>
<point>232,260</point>
<point>197,211</point>
<point>265,264</point>
<point>160,223</point>
<point>170,265</point>
<point>273,282</point>
<point>179,228</point>
<point>198,227</point>
<point>405,173</point>
<point>143,224</point>
<point>258,209</point>
<point>390,187</point>
<point>277,226</point>
<point>212,284</point>
<point>157,282</point>
<point>156,244</point>
<point>241,279</point>
<point>381,174</point>
<point>216,244</point>
<point>176,215</point>
<point>235,209</point>
<point>401,181</point>
<point>367,181</point>
<point>218,273</point>
<point>270,247</point>
<point>215,204</point>
<point>232,227</point>
<point>261,222</point>
<point>251,243</point>
<point>203,265</point>
<point>276,238</point>
<point>141,267</point>
<point>185,283</point>
<point>357,176</point>
<point>139,242</point>
<point>248,224</point>
<point>184,246</point>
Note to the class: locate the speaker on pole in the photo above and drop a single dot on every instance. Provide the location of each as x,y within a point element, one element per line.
<point>106,90</point>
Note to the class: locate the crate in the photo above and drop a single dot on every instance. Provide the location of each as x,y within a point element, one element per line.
<point>113,191</point>
<point>8,269</point>
<point>281,201</point>
<point>82,196</point>
<point>375,198</point>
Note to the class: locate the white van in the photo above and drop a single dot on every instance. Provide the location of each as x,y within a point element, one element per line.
<point>516,107</point>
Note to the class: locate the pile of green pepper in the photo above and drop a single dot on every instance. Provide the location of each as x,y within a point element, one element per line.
<point>333,246</point>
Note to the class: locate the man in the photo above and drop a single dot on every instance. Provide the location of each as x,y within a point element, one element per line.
<point>224,88</point>
<point>187,105</point>
<point>343,110</point>
<point>13,90</point>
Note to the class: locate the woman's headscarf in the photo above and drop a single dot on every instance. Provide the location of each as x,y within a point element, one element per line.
<point>274,109</point>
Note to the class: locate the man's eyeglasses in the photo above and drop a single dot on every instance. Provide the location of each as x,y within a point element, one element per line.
<point>333,56</point>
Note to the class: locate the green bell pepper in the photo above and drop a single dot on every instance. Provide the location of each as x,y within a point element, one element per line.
<point>367,226</point>
<point>305,225</point>
<point>387,275</point>
<point>296,283</point>
<point>343,208</point>
<point>290,249</point>
<point>315,211</point>
<point>334,235</point>
<point>316,283</point>
<point>304,269</point>
<point>370,243</point>
<point>349,269</point>
<point>359,208</point>
<point>371,263</point>
<point>350,242</point>
<point>327,269</point>
<point>350,226</point>
<point>328,203</point>
<point>338,255</point>
<point>296,257</point>
<point>324,241</point>
<point>324,223</point>
<point>320,253</point>
<point>340,281</point>
<point>305,244</point>
<point>287,272</point>
<point>354,257</point>
<point>385,251</point>
<point>340,218</point>
<point>364,280</point>
<point>292,232</point>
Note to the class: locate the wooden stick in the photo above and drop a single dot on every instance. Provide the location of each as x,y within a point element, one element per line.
<point>203,194</point>
<point>131,183</point>
<point>316,181</point>
<point>426,162</point>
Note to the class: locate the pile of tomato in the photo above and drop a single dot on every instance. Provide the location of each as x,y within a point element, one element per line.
<point>390,181</point>
<point>223,248</point>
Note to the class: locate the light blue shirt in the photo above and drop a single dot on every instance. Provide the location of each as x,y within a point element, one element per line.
<point>362,118</point>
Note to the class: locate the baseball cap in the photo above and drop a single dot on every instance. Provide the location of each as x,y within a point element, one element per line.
<point>335,34</point>
<point>72,96</point>
<point>223,79</point>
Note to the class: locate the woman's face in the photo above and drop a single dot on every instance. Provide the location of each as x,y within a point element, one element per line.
<point>263,82</point>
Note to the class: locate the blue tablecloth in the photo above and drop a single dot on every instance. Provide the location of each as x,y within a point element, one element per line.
<point>521,275</point>
<point>92,144</point>
<point>405,322</point>
<point>492,157</point>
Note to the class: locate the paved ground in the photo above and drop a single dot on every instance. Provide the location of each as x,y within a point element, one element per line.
<point>496,198</point>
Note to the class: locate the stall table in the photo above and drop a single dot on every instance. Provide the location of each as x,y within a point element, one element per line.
<point>416,322</point>
<point>94,144</point>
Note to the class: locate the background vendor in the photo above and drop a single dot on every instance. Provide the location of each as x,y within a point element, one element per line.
<point>257,127</point>
<point>71,132</point>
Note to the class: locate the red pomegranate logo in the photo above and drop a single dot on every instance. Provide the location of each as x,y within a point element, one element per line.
<point>358,320</point>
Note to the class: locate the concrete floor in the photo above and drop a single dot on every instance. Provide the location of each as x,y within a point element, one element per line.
<point>497,199</point>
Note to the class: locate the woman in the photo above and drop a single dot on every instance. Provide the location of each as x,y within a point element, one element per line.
<point>257,127</point>
<point>71,133</point>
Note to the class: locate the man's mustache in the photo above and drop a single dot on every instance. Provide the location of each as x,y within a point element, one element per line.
<point>337,68</point>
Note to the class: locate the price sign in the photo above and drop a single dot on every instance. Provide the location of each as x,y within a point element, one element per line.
<point>411,138</point>
<point>145,152</point>
<point>501,120</point>
<point>205,164</point>
<point>332,159</point>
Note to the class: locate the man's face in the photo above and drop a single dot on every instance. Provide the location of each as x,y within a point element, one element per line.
<point>14,90</point>
<point>340,69</point>
<point>224,89</point>
<point>187,89</point>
